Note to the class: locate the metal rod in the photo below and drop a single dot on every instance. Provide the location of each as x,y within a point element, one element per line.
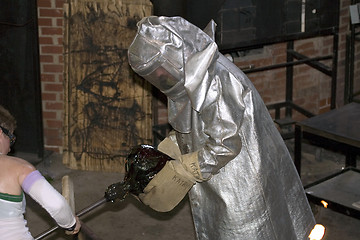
<point>47,232</point>
<point>91,207</point>
<point>79,214</point>
<point>286,64</point>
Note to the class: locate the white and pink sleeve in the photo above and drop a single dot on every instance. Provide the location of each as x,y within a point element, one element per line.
<point>49,198</point>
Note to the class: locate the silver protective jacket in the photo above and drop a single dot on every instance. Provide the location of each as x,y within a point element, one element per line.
<point>252,189</point>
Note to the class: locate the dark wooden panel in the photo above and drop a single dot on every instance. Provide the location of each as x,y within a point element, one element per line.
<point>108,107</point>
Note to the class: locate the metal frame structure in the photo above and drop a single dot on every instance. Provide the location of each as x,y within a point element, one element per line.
<point>338,130</point>
<point>295,58</point>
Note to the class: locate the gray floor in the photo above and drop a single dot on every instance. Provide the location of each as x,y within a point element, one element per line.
<point>131,220</point>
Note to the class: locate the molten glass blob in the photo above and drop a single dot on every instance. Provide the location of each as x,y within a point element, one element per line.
<point>142,164</point>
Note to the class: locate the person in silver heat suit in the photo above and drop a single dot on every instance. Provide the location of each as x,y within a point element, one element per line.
<point>245,182</point>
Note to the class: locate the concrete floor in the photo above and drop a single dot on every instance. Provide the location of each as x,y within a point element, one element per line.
<point>131,220</point>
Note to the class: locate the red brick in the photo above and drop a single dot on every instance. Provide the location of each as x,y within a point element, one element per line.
<point>59,3</point>
<point>266,99</point>
<point>344,19</point>
<point>162,111</point>
<point>54,141</point>
<point>53,68</point>
<point>280,59</point>
<point>51,133</point>
<point>50,31</point>
<point>45,40</point>
<point>262,62</point>
<point>46,58</point>
<point>53,87</point>
<point>342,39</point>
<point>323,102</point>
<point>59,22</point>
<point>54,123</point>
<point>44,21</point>
<point>44,3</point>
<point>52,49</point>
<point>48,96</point>
<point>309,52</point>
<point>305,45</point>
<point>280,73</point>
<point>344,3</point>
<point>279,50</point>
<point>54,105</point>
<point>61,58</point>
<point>324,109</point>
<point>328,41</point>
<point>49,115</point>
<point>46,12</point>
<point>327,51</point>
<point>60,40</point>
<point>47,78</point>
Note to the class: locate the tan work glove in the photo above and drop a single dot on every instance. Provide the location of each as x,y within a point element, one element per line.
<point>190,160</point>
<point>168,187</point>
<point>169,146</point>
<point>191,164</point>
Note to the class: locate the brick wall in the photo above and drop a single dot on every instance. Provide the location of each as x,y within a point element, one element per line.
<point>312,88</point>
<point>50,20</point>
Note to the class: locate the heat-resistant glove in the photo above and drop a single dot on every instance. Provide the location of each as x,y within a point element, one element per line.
<point>168,187</point>
<point>189,161</point>
<point>170,147</point>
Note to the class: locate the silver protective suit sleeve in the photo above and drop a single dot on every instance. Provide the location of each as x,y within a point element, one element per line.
<point>253,190</point>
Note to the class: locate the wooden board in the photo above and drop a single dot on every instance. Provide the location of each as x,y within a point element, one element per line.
<point>68,191</point>
<point>69,195</point>
<point>107,106</point>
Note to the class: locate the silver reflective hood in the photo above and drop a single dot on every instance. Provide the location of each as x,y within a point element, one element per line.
<point>183,50</point>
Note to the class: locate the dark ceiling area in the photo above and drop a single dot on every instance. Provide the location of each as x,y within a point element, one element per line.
<point>252,23</point>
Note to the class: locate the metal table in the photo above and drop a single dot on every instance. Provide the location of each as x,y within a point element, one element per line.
<point>339,192</point>
<point>337,129</point>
